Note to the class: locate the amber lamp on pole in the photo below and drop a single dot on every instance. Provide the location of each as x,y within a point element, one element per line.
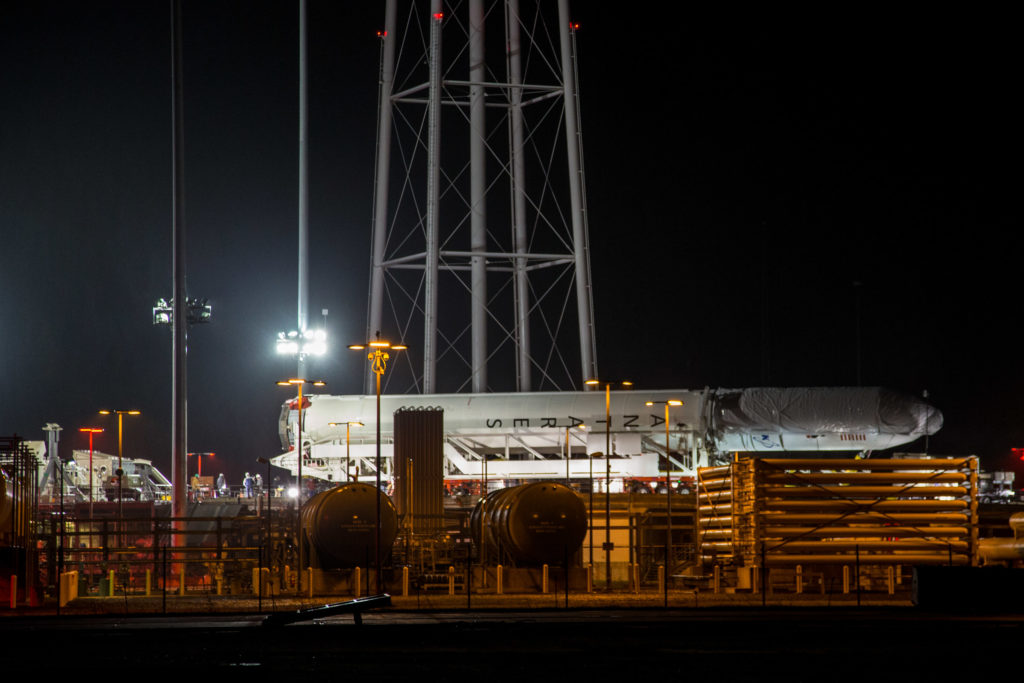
<point>378,356</point>
<point>608,546</point>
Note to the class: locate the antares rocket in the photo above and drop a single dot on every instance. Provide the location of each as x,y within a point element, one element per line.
<point>708,427</point>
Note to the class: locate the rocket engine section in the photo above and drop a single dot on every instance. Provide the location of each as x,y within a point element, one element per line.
<point>340,525</point>
<point>534,523</point>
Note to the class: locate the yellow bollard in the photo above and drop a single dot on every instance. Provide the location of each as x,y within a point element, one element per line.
<point>636,577</point>
<point>501,579</point>
<point>149,582</point>
<point>718,579</point>
<point>899,575</point>
<point>255,581</point>
<point>799,579</point>
<point>68,587</point>
<point>544,580</point>
<point>357,580</point>
<point>405,581</point>
<point>451,580</point>
<point>661,578</point>
<point>755,579</point>
<point>891,576</point>
<point>846,579</point>
<point>309,582</point>
<point>590,578</point>
<point>110,584</point>
<point>181,581</point>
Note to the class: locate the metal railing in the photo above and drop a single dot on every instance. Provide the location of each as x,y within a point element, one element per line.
<point>139,556</point>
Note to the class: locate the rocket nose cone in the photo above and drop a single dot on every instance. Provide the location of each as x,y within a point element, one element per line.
<point>929,418</point>
<point>906,414</point>
<point>933,422</point>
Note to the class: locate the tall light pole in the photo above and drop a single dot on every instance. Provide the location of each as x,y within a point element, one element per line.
<point>120,454</point>
<point>590,511</point>
<point>300,456</point>
<point>568,450</point>
<point>668,490</point>
<point>608,546</point>
<point>268,538</point>
<point>378,358</point>
<point>92,431</point>
<point>348,441</point>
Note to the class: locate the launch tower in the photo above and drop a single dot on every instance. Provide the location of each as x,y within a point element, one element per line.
<point>479,200</point>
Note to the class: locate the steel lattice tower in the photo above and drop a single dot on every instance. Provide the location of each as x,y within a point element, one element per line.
<point>479,200</point>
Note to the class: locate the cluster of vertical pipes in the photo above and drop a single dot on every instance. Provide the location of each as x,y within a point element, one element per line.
<point>786,512</point>
<point>481,260</point>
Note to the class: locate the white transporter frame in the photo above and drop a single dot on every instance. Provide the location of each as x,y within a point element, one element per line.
<point>523,435</point>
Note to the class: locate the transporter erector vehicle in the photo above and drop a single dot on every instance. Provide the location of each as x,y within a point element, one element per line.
<point>526,436</point>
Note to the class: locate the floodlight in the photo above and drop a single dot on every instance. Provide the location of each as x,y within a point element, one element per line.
<point>196,311</point>
<point>308,343</point>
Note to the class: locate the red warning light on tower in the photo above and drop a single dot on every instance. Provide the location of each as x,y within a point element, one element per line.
<point>439,16</point>
<point>1019,452</point>
<point>382,34</point>
<point>574,26</point>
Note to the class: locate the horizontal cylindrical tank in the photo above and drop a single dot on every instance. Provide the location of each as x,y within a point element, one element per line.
<point>340,525</point>
<point>535,523</point>
<point>1000,550</point>
<point>1017,524</point>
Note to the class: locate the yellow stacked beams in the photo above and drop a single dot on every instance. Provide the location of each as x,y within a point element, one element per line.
<point>794,511</point>
<point>746,518</point>
<point>714,512</point>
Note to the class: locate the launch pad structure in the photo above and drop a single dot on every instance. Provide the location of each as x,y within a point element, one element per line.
<point>480,201</point>
<point>474,164</point>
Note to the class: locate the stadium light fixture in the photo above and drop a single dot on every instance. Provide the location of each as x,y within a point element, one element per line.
<point>307,343</point>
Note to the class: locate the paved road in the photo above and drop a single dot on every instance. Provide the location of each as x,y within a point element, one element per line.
<point>487,645</point>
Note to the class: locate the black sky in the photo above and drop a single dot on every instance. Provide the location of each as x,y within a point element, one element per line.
<point>741,179</point>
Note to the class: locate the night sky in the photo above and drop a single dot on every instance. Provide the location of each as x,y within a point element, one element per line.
<point>758,193</point>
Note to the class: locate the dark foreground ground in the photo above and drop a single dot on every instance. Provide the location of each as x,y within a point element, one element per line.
<point>737,643</point>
